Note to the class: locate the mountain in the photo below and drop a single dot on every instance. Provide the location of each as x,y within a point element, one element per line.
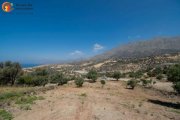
<point>140,49</point>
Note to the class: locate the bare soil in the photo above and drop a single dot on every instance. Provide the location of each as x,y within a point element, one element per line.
<point>92,102</point>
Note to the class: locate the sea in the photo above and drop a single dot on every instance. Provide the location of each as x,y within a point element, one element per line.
<point>29,65</point>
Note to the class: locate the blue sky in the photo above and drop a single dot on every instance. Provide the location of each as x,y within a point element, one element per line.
<point>71,29</point>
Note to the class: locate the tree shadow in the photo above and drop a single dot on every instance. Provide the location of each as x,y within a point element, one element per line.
<point>166,104</point>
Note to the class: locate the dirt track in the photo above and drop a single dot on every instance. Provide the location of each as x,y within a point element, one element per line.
<point>91,102</point>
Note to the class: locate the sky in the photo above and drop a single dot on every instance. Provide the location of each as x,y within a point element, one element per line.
<point>62,30</point>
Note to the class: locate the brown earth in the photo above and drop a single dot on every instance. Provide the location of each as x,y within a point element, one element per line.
<point>91,102</point>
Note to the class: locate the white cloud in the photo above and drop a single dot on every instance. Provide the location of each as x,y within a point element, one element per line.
<point>97,47</point>
<point>77,53</point>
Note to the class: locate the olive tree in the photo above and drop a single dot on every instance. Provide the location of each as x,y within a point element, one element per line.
<point>117,75</point>
<point>92,74</point>
<point>9,72</point>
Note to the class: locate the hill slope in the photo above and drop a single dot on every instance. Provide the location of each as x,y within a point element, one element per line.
<point>154,47</point>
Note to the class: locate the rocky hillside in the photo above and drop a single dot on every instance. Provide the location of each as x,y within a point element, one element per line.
<point>141,49</point>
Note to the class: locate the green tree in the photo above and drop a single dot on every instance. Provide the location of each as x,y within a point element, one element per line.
<point>117,75</point>
<point>79,82</point>
<point>173,75</point>
<point>93,75</point>
<point>9,72</point>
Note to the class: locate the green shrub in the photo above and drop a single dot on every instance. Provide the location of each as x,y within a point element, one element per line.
<point>132,83</point>
<point>103,82</point>
<point>5,115</point>
<point>93,75</point>
<point>153,73</point>
<point>40,72</point>
<point>117,75</point>
<point>150,74</point>
<point>39,81</point>
<point>146,83</point>
<point>157,71</point>
<point>137,74</point>
<point>159,77</point>
<point>79,82</point>
<point>32,81</point>
<point>63,81</point>
<point>173,73</point>
<point>27,79</point>
<point>58,78</point>
<point>176,87</point>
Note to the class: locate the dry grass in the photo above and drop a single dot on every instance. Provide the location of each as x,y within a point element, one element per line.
<point>91,102</point>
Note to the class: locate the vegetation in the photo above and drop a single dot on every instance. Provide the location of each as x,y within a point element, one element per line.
<point>9,71</point>
<point>117,75</point>
<point>136,75</point>
<point>83,94</point>
<point>159,77</point>
<point>92,74</point>
<point>32,81</point>
<point>79,82</point>
<point>108,74</point>
<point>176,87</point>
<point>28,99</point>
<point>103,82</point>
<point>132,83</point>
<point>5,115</point>
<point>147,83</point>
<point>155,72</point>
<point>58,78</point>
<point>173,75</point>
<point>9,95</point>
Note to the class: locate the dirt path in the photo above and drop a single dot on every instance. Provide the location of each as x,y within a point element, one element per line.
<point>113,102</point>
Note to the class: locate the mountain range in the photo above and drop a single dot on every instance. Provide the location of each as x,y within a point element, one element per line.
<point>141,49</point>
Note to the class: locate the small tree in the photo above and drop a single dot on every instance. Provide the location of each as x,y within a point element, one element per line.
<point>79,82</point>
<point>92,74</point>
<point>174,76</point>
<point>103,82</point>
<point>9,72</point>
<point>117,75</point>
<point>132,83</point>
<point>173,73</point>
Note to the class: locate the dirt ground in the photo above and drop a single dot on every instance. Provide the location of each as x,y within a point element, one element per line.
<point>91,102</point>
